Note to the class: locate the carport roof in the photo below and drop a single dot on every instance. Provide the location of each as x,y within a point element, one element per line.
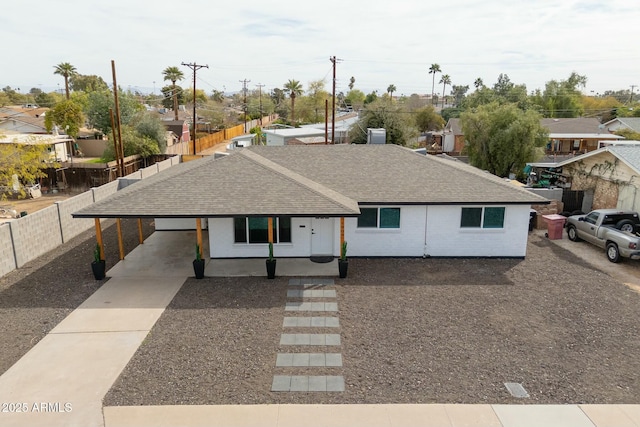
<point>306,181</point>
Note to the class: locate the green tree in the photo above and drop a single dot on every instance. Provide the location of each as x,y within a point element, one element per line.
<point>380,114</point>
<point>133,143</point>
<point>629,134</point>
<point>435,68</point>
<point>445,80</point>
<point>87,83</point>
<point>44,99</point>
<point>15,97</point>
<point>173,74</point>
<point>428,119</point>
<point>99,103</point>
<point>390,89</point>
<point>503,138</point>
<point>371,97</point>
<point>458,93</point>
<point>149,125</point>
<point>355,98</point>
<point>67,115</point>
<point>294,89</point>
<point>66,70</point>
<point>561,98</point>
<point>27,161</point>
<point>217,96</point>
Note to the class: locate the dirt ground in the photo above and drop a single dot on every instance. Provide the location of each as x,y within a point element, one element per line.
<point>412,331</point>
<point>33,205</point>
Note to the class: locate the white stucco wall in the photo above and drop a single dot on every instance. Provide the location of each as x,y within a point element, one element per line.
<point>446,238</point>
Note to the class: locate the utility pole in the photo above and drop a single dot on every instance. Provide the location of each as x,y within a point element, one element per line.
<point>631,97</point>
<point>244,91</point>
<point>333,102</point>
<point>120,146</point>
<point>260,86</point>
<point>195,67</point>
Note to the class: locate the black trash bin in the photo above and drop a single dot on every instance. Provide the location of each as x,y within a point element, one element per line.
<point>533,214</point>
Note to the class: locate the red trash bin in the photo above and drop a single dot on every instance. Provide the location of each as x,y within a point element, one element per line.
<point>555,225</point>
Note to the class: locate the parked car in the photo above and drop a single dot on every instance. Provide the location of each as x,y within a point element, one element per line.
<point>613,230</point>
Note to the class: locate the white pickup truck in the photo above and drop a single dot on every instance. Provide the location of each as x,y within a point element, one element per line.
<point>613,230</point>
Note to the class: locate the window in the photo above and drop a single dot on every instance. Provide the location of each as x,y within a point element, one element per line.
<point>256,230</point>
<point>379,218</point>
<point>592,218</point>
<point>489,217</point>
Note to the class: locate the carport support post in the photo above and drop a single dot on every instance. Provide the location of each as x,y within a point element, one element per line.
<point>199,235</point>
<point>99,238</point>
<point>140,236</point>
<point>120,244</point>
<point>270,228</point>
<point>341,234</point>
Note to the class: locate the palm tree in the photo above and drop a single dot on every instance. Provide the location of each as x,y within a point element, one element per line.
<point>478,83</point>
<point>445,80</point>
<point>435,68</point>
<point>392,88</point>
<point>174,74</point>
<point>293,88</point>
<point>66,70</point>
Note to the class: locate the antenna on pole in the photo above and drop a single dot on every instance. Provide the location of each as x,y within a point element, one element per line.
<point>195,67</point>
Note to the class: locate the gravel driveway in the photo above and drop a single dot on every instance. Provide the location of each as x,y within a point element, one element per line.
<point>412,331</point>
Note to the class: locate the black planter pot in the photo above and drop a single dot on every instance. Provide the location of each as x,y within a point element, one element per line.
<point>98,268</point>
<point>343,266</point>
<point>271,268</point>
<point>198,268</point>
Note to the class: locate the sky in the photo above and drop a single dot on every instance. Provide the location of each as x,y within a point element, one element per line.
<point>273,41</point>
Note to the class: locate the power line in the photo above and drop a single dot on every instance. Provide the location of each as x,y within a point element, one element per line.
<point>195,67</point>
<point>244,92</point>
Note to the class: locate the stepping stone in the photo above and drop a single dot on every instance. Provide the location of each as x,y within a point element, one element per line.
<point>304,383</point>
<point>287,360</point>
<point>311,282</point>
<point>313,322</point>
<point>310,339</point>
<point>311,306</point>
<point>311,293</point>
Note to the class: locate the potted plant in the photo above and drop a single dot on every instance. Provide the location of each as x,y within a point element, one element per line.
<point>98,264</point>
<point>198,264</point>
<point>271,263</point>
<point>343,262</point>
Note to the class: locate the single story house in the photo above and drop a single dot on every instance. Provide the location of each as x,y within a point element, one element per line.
<point>610,175</point>
<point>620,123</point>
<point>566,136</point>
<point>178,127</point>
<point>59,146</point>
<point>385,200</point>
<point>277,137</point>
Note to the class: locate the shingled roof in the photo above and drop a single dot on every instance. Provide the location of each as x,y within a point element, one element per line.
<point>306,181</point>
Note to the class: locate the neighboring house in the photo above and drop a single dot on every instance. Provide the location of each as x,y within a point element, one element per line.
<point>620,123</point>
<point>390,200</point>
<point>23,120</point>
<point>178,127</point>
<point>59,146</point>
<point>279,137</point>
<point>566,136</point>
<point>609,175</point>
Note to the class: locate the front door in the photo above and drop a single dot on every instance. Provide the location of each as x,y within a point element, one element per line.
<point>322,236</point>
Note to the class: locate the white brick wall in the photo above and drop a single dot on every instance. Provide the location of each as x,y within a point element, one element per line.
<point>165,164</point>
<point>147,172</point>
<point>446,238</point>
<point>7,260</point>
<point>105,190</point>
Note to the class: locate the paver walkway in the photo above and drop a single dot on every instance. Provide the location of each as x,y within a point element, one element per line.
<point>309,316</point>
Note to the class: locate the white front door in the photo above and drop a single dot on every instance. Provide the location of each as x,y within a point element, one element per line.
<point>322,236</point>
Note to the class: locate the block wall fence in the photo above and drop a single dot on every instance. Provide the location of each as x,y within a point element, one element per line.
<point>26,238</point>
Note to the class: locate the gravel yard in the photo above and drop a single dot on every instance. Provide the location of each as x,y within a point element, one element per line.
<point>412,331</point>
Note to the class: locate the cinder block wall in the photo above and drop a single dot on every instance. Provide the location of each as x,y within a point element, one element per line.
<point>7,260</point>
<point>70,226</point>
<point>147,172</point>
<point>165,164</point>
<point>105,190</point>
<point>36,234</point>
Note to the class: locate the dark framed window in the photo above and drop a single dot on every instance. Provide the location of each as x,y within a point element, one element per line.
<point>389,217</point>
<point>256,230</point>
<point>368,218</point>
<point>488,217</point>
<point>379,218</point>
